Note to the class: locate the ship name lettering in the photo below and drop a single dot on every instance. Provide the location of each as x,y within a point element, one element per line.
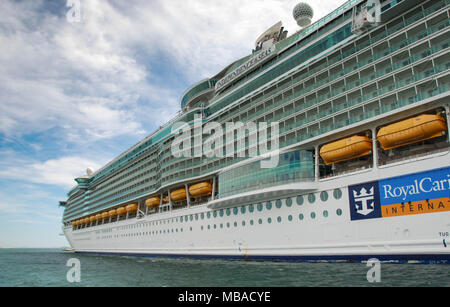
<point>426,185</point>
<point>415,208</point>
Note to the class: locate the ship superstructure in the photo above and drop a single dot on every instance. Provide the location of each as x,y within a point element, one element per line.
<point>347,155</point>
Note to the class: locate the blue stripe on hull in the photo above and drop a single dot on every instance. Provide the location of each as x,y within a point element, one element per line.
<point>430,259</point>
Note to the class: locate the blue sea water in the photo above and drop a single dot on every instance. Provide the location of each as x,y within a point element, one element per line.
<point>47,268</point>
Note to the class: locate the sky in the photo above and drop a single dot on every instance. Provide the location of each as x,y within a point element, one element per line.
<point>77,93</point>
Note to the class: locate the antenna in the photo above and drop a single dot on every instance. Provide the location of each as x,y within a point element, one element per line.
<point>89,172</point>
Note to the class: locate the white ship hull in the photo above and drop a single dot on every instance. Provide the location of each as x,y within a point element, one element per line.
<point>414,236</point>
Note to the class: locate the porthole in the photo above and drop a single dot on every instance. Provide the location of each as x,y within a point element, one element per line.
<point>243,223</point>
<point>196,217</point>
<point>209,227</point>
<point>243,209</point>
<point>289,202</point>
<point>269,205</point>
<point>339,212</point>
<point>221,225</point>
<point>208,215</point>
<point>260,221</point>
<point>313,215</point>
<point>337,194</point>
<point>235,224</point>
<point>269,220</point>
<point>251,208</point>
<point>202,216</point>
<point>251,222</point>
<point>221,212</point>
<point>278,204</point>
<point>311,198</point>
<point>191,217</point>
<point>324,196</point>
<point>215,214</point>
<point>228,225</point>
<point>228,212</point>
<point>260,207</point>
<point>215,226</point>
<point>235,211</point>
<point>301,217</point>
<point>290,218</point>
<point>279,219</point>
<point>300,200</point>
<point>325,213</point>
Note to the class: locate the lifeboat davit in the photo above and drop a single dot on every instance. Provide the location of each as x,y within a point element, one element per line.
<point>132,208</point>
<point>200,189</point>
<point>178,195</point>
<point>346,149</point>
<point>153,202</point>
<point>410,131</point>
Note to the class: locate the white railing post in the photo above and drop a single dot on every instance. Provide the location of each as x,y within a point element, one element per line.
<point>187,196</point>
<point>316,163</point>
<point>214,188</point>
<point>374,149</point>
<point>170,202</point>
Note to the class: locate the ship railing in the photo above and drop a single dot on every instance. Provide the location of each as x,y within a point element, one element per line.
<point>416,153</point>
<point>200,201</point>
<point>343,172</point>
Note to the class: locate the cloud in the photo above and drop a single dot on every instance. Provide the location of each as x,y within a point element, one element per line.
<point>57,172</point>
<point>93,79</point>
<point>53,74</point>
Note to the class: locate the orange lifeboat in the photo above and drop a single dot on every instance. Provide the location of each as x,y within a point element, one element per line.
<point>132,208</point>
<point>346,149</point>
<point>112,213</point>
<point>98,217</point>
<point>166,199</point>
<point>153,202</point>
<point>200,189</point>
<point>74,224</point>
<point>121,211</point>
<point>86,220</point>
<point>92,219</point>
<point>410,131</point>
<point>178,195</point>
<point>105,215</point>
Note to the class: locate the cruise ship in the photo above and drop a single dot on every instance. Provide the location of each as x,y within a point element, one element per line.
<point>330,144</point>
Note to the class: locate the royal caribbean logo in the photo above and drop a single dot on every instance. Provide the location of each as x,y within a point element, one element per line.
<point>364,201</point>
<point>427,192</point>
